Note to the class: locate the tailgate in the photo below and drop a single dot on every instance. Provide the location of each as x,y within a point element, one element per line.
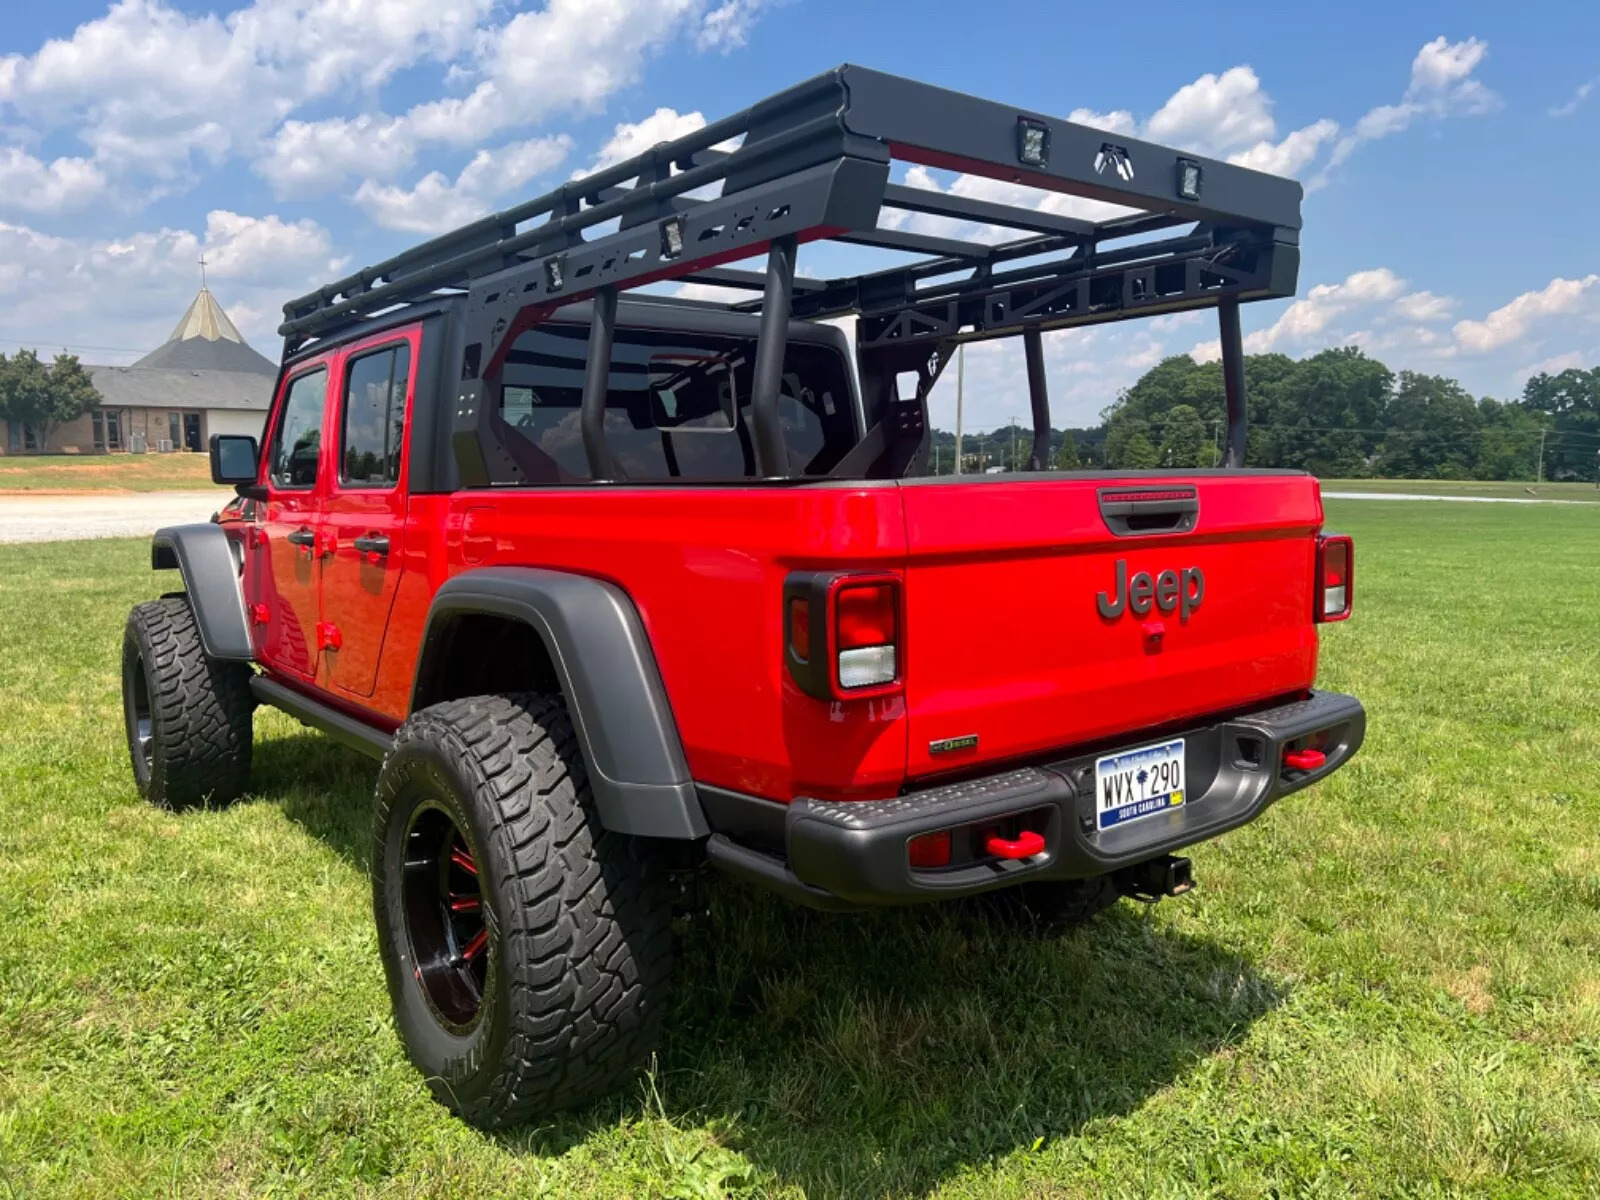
<point>1006,580</point>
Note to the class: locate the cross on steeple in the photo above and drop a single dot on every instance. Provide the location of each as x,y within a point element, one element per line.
<point>202,270</point>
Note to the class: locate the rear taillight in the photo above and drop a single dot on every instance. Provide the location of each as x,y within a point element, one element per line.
<point>800,628</point>
<point>842,633</point>
<point>865,618</point>
<point>1335,577</point>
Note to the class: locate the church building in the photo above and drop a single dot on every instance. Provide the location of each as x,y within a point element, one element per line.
<point>202,380</point>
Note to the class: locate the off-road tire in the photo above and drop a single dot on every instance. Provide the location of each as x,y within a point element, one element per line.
<point>1060,904</point>
<point>195,711</point>
<point>579,919</point>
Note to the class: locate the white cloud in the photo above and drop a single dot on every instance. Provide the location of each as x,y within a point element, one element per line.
<point>1575,360</point>
<point>155,92</point>
<point>1119,121</point>
<point>307,157</point>
<point>1290,156</point>
<point>129,291</point>
<point>28,184</point>
<point>1577,99</point>
<point>1441,86</point>
<point>150,89</point>
<point>569,55</point>
<point>628,140</point>
<point>436,204</point>
<point>1377,311</point>
<point>728,26</point>
<point>1515,320</point>
<point>1215,114</point>
<point>1422,307</point>
<point>1306,318</point>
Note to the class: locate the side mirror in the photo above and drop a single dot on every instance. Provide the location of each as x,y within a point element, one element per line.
<point>234,459</point>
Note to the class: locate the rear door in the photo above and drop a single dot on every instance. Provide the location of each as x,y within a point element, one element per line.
<point>283,542</point>
<point>363,514</point>
<point>1038,618</point>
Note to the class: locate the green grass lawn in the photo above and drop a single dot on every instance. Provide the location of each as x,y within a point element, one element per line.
<point>104,472</point>
<point>1387,986</point>
<point>1519,489</point>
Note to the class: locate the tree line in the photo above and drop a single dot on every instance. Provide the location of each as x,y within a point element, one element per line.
<point>1339,414</point>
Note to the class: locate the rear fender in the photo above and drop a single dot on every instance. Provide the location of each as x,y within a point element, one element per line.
<point>608,675</point>
<point>210,570</point>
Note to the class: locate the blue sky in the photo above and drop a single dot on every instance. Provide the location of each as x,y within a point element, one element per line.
<point>1449,151</point>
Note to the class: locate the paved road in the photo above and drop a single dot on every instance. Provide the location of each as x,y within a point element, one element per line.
<point>101,514</point>
<point>1462,499</point>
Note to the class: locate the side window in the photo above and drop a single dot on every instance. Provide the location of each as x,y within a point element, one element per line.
<point>298,441</point>
<point>374,417</point>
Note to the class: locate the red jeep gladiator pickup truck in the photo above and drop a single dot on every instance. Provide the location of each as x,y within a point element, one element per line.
<point>621,587</point>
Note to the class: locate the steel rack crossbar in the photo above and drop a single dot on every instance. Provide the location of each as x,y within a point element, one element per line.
<point>813,163</point>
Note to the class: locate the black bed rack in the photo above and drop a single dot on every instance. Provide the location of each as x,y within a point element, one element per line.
<point>813,163</point>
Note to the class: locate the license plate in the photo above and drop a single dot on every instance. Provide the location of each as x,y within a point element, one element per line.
<point>1135,784</point>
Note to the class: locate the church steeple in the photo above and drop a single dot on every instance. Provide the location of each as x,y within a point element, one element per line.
<point>206,340</point>
<point>205,319</point>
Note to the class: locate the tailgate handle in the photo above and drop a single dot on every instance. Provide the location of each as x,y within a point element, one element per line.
<point>1130,512</point>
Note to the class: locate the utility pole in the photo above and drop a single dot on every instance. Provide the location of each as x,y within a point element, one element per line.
<point>961,378</point>
<point>1542,432</point>
<point>1013,443</point>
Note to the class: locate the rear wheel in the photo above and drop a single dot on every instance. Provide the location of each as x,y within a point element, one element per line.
<point>527,949</point>
<point>187,715</point>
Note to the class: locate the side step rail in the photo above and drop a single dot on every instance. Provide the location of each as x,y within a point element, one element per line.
<point>340,726</point>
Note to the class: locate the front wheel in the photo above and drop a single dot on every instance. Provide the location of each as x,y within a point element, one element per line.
<point>527,949</point>
<point>187,715</point>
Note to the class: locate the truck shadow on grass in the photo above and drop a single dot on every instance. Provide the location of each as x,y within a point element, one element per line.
<point>884,1052</point>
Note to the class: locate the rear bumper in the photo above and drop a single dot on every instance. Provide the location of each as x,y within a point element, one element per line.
<point>850,855</point>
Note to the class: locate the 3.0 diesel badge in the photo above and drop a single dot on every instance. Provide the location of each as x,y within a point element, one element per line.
<point>1179,591</point>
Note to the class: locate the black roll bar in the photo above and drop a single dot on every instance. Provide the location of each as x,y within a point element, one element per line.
<point>1232,380</point>
<point>596,383</point>
<point>772,457</point>
<point>1038,398</point>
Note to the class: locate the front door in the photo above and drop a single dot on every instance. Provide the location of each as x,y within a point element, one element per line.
<point>283,544</point>
<point>191,432</point>
<point>364,512</point>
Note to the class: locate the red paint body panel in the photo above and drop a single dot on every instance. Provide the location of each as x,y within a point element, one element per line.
<point>705,568</point>
<point>1001,634</point>
<point>1005,640</point>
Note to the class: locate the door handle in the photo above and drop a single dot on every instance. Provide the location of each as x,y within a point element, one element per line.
<point>302,537</point>
<point>372,543</point>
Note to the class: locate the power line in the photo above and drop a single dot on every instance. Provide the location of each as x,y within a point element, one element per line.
<point>34,343</point>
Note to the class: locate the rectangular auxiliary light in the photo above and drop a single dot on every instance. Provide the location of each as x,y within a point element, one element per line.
<point>1190,178</point>
<point>1033,142</point>
<point>672,237</point>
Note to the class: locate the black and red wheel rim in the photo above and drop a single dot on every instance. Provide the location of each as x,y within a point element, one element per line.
<point>446,924</point>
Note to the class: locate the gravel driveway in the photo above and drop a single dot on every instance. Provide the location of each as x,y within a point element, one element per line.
<point>46,518</point>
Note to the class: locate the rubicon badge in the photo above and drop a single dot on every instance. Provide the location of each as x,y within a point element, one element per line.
<point>967,741</point>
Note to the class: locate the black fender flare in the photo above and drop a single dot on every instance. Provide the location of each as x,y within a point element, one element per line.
<point>210,570</point>
<point>608,674</point>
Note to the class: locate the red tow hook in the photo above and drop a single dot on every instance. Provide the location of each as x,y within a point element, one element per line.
<point>1304,760</point>
<point>1027,844</point>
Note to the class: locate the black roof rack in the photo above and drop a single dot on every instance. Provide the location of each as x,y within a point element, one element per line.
<point>813,163</point>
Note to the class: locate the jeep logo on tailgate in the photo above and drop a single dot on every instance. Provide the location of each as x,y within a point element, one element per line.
<point>1179,591</point>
